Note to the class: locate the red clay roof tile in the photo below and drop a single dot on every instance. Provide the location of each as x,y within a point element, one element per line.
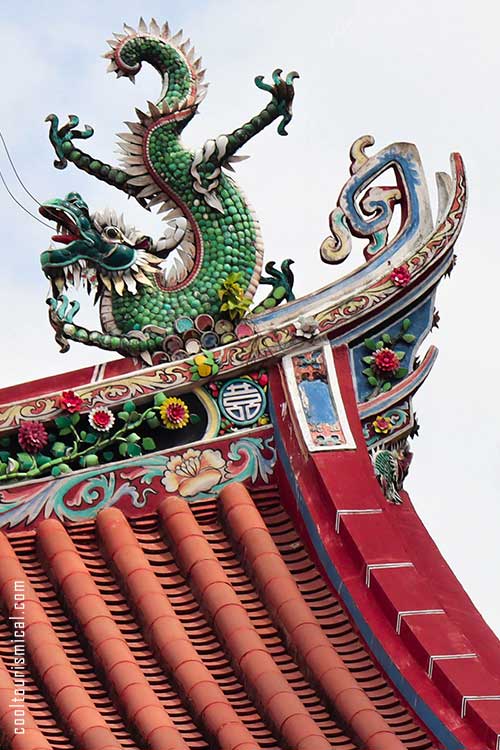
<point>202,627</point>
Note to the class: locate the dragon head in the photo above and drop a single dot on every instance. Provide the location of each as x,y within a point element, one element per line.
<point>99,248</point>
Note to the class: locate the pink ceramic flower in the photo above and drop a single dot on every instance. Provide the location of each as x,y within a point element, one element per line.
<point>32,437</point>
<point>401,276</point>
<point>386,361</point>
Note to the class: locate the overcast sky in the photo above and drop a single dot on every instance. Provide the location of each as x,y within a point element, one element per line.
<point>426,72</point>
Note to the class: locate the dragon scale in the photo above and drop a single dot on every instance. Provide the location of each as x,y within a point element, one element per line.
<point>211,246</point>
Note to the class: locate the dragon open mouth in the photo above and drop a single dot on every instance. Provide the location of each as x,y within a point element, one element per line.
<point>67,230</point>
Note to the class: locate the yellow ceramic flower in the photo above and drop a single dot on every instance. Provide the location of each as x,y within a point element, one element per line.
<point>203,365</point>
<point>174,413</point>
<point>382,425</point>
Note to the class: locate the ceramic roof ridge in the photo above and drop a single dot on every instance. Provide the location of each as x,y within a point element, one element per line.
<point>167,634</point>
<point>294,618</point>
<point>141,706</point>
<point>282,706</point>
<point>80,715</point>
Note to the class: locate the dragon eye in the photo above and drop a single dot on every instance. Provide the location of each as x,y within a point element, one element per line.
<point>111,233</point>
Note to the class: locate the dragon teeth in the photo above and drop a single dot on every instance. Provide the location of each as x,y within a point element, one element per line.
<point>76,275</point>
<point>59,283</point>
<point>119,285</point>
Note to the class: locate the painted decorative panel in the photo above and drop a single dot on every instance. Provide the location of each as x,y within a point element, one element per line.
<point>315,395</point>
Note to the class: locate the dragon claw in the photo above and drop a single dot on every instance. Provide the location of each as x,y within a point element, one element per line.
<point>62,137</point>
<point>61,315</point>
<point>282,92</point>
<point>62,310</point>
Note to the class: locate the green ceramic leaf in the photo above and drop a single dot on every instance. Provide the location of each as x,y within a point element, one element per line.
<point>370,344</point>
<point>91,460</point>
<point>406,324</point>
<point>124,416</point>
<point>159,399</point>
<point>368,372</point>
<point>401,372</point>
<point>400,355</point>
<point>367,360</point>
<point>387,387</point>
<point>133,437</point>
<point>58,449</point>
<point>153,423</point>
<point>129,406</point>
<point>75,418</point>
<point>25,461</point>
<point>386,338</point>
<point>373,381</point>
<point>108,455</point>
<point>63,422</point>
<point>91,438</point>
<point>148,444</point>
<point>194,419</point>
<point>409,337</point>
<point>122,449</point>
<point>133,450</point>
<point>41,459</point>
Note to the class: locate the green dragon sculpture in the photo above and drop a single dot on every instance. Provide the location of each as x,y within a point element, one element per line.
<point>210,255</point>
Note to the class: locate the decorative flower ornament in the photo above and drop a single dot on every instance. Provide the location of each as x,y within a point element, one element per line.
<point>194,471</point>
<point>386,361</point>
<point>69,401</point>
<point>382,425</point>
<point>401,275</point>
<point>101,418</point>
<point>306,327</point>
<point>203,365</point>
<point>232,297</point>
<point>32,437</point>
<point>174,413</point>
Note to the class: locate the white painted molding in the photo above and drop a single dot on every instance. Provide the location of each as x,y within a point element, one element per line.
<point>412,612</point>
<point>443,657</point>
<point>354,512</point>
<point>468,698</point>
<point>384,566</point>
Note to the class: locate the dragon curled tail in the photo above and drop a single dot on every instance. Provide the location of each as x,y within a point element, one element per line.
<point>209,258</point>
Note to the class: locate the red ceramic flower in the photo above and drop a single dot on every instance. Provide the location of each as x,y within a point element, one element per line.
<point>32,437</point>
<point>101,418</point>
<point>401,276</point>
<point>382,425</point>
<point>386,361</point>
<point>69,401</point>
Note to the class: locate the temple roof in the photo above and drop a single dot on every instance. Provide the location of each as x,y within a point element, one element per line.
<point>199,626</point>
